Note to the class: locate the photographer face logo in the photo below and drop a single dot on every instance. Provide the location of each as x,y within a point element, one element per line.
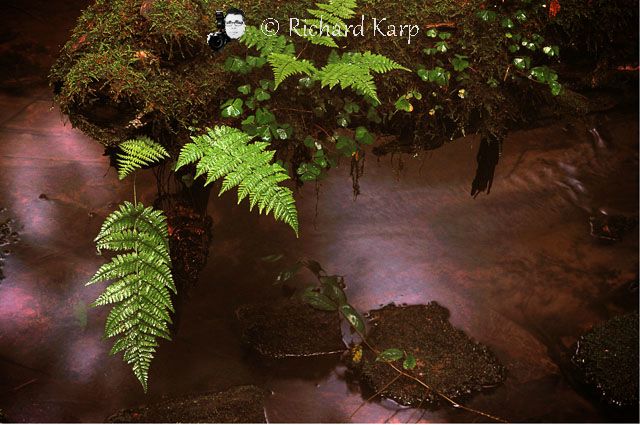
<point>234,24</point>
<point>230,27</point>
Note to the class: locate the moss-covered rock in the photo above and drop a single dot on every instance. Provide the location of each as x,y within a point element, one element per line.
<point>607,357</point>
<point>236,405</point>
<point>447,360</point>
<point>290,328</point>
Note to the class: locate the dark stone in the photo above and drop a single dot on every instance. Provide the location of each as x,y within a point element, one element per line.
<point>448,361</point>
<point>607,357</point>
<point>611,228</point>
<point>243,404</point>
<point>290,328</point>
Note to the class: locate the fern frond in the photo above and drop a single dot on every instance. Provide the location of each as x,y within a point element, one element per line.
<point>254,37</point>
<point>348,76</point>
<point>226,152</point>
<point>141,283</point>
<point>285,66</point>
<point>344,9</point>
<point>138,153</point>
<point>373,61</point>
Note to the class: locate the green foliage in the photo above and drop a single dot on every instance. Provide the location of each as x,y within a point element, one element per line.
<point>390,355</point>
<point>285,66</point>
<point>253,37</point>
<point>226,152</point>
<point>330,15</point>
<point>138,153</point>
<point>354,70</point>
<point>141,283</point>
<point>395,354</point>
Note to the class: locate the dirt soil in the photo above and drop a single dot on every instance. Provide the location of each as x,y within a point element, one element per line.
<point>607,356</point>
<point>447,359</point>
<point>290,328</point>
<point>236,405</point>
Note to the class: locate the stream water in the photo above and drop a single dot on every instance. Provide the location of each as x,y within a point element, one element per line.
<point>517,269</point>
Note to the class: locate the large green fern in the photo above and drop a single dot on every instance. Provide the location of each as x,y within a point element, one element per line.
<point>226,152</point>
<point>141,283</point>
<point>138,153</point>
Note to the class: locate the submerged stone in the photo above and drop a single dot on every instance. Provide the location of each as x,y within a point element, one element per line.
<point>607,357</point>
<point>243,404</point>
<point>290,328</point>
<point>447,360</point>
<point>611,228</point>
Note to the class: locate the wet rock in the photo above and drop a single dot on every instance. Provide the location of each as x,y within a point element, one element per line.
<point>290,328</point>
<point>243,404</point>
<point>607,357</point>
<point>447,360</point>
<point>611,228</point>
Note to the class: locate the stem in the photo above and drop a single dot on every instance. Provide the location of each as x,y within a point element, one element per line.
<point>135,199</point>
<point>374,396</point>
<point>422,383</point>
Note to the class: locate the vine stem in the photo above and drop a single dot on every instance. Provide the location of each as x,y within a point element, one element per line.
<point>374,396</point>
<point>420,382</point>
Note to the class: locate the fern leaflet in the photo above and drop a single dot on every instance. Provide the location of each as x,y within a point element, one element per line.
<point>226,152</point>
<point>254,37</point>
<point>141,283</point>
<point>285,66</point>
<point>138,153</point>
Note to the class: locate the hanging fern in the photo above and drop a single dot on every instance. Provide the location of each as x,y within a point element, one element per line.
<point>226,152</point>
<point>141,283</point>
<point>138,153</point>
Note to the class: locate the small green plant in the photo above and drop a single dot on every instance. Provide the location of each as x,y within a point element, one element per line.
<point>329,295</point>
<point>140,276</point>
<point>226,152</point>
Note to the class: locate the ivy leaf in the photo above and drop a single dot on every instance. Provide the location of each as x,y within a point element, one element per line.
<point>521,16</point>
<point>390,355</point>
<point>432,33</point>
<point>264,117</point>
<point>402,104</point>
<point>364,136</point>
<point>331,288</point>
<point>555,87</point>
<point>409,362</point>
<point>353,317</point>
<point>460,63</point>
<point>232,108</point>
<point>507,23</point>
<point>522,62</point>
<point>486,15</point>
<point>288,273</point>
<point>318,300</point>
<point>261,94</point>
<point>245,89</point>
<point>444,35</point>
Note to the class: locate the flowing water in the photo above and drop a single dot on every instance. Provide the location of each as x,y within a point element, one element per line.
<point>517,269</point>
